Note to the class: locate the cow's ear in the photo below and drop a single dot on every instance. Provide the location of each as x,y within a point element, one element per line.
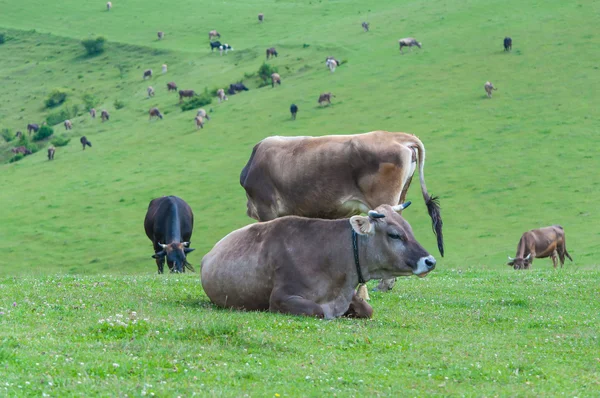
<point>188,249</point>
<point>511,263</point>
<point>362,225</point>
<point>159,254</point>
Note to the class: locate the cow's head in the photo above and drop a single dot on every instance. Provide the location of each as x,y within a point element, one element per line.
<point>391,247</point>
<point>175,253</point>
<point>520,262</point>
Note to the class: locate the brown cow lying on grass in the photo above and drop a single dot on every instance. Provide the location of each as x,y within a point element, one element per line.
<point>541,243</point>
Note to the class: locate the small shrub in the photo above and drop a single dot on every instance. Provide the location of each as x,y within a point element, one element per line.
<point>89,100</point>
<point>42,133</point>
<point>248,75</point>
<point>75,110</point>
<point>119,104</point>
<point>7,135</point>
<point>197,101</point>
<point>58,117</point>
<point>94,46</point>
<point>17,157</point>
<point>265,71</point>
<point>60,141</point>
<point>24,141</point>
<point>56,97</point>
<point>2,37</point>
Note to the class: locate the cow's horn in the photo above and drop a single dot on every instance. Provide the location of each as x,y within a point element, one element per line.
<point>528,256</point>
<point>510,258</point>
<point>186,244</point>
<point>374,214</point>
<point>402,206</point>
<point>163,245</point>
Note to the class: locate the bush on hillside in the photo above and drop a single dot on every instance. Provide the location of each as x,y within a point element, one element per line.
<point>89,100</point>
<point>2,37</point>
<point>56,97</point>
<point>55,118</point>
<point>60,141</point>
<point>94,46</point>
<point>265,71</point>
<point>119,104</point>
<point>17,157</point>
<point>197,101</point>
<point>24,141</point>
<point>43,133</point>
<point>7,135</point>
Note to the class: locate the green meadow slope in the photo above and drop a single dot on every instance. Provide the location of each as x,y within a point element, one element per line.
<point>524,159</point>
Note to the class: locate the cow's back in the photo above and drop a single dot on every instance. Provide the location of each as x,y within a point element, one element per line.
<point>159,218</point>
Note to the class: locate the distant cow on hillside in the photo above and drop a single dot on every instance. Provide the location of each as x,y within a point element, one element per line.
<point>171,86</point>
<point>104,115</point>
<point>93,113</point>
<point>68,124</point>
<point>185,94</point>
<point>213,33</point>
<point>365,26</point>
<point>199,122</point>
<point>488,89</point>
<point>271,52</point>
<point>161,35</point>
<point>214,44</point>
<point>293,111</point>
<point>108,6</point>
<point>84,141</point>
<point>21,149</point>
<point>147,74</point>
<point>32,127</point>
<point>221,95</point>
<point>332,63</point>
<point>164,68</point>
<point>234,88</point>
<point>507,44</point>
<point>225,47</point>
<point>261,17</point>
<point>154,112</point>
<point>325,97</point>
<point>202,112</point>
<point>150,91</point>
<point>408,42</point>
<point>541,243</point>
<point>275,78</point>
<point>19,135</point>
<point>51,151</point>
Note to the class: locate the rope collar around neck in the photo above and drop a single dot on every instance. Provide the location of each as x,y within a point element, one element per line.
<point>361,280</point>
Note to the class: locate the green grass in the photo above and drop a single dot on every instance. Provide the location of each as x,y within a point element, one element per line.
<point>524,159</point>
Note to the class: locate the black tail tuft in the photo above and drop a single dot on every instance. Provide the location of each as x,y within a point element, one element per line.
<point>433,207</point>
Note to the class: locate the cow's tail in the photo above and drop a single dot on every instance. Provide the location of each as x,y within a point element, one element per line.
<point>432,202</point>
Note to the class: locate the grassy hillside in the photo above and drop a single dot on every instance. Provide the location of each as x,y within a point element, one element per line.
<point>521,160</point>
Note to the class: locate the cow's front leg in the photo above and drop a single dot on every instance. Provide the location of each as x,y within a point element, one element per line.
<point>295,305</point>
<point>160,263</point>
<point>359,308</point>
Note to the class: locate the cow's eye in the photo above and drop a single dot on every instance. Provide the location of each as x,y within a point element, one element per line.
<point>394,236</point>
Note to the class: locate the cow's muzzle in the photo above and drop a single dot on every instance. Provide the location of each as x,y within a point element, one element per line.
<point>425,265</point>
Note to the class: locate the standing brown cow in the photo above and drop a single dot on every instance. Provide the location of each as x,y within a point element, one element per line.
<point>271,52</point>
<point>213,33</point>
<point>93,113</point>
<point>541,243</point>
<point>51,151</point>
<point>488,89</point>
<point>154,112</point>
<point>104,115</point>
<point>185,94</point>
<point>325,97</point>
<point>171,86</point>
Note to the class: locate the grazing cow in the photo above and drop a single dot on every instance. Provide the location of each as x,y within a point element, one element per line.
<point>335,176</point>
<point>108,6</point>
<point>164,68</point>
<point>104,115</point>
<point>32,127</point>
<point>234,88</point>
<point>68,125</point>
<point>214,44</point>
<point>365,26</point>
<point>199,122</point>
<point>541,243</point>
<point>408,42</point>
<point>168,224</point>
<point>19,135</point>
<point>507,44</point>
<point>202,112</point>
<point>93,113</point>
<point>213,33</point>
<point>150,91</point>
<point>275,78</point>
<point>21,149</point>
<point>51,151</point>
<point>171,86</point>
<point>147,73</point>
<point>488,89</point>
<point>283,266</point>
<point>221,95</point>
<point>161,35</point>
<point>271,52</point>
<point>293,111</point>
<point>185,94</point>
<point>325,97</point>
<point>84,141</point>
<point>261,17</point>
<point>224,47</point>
<point>332,63</point>
<point>154,112</point>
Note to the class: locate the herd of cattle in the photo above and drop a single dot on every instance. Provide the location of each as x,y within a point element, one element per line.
<point>312,246</point>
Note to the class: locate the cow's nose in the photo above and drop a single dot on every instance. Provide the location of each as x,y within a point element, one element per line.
<point>430,262</point>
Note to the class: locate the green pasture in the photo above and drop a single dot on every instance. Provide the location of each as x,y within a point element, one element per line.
<point>71,230</point>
